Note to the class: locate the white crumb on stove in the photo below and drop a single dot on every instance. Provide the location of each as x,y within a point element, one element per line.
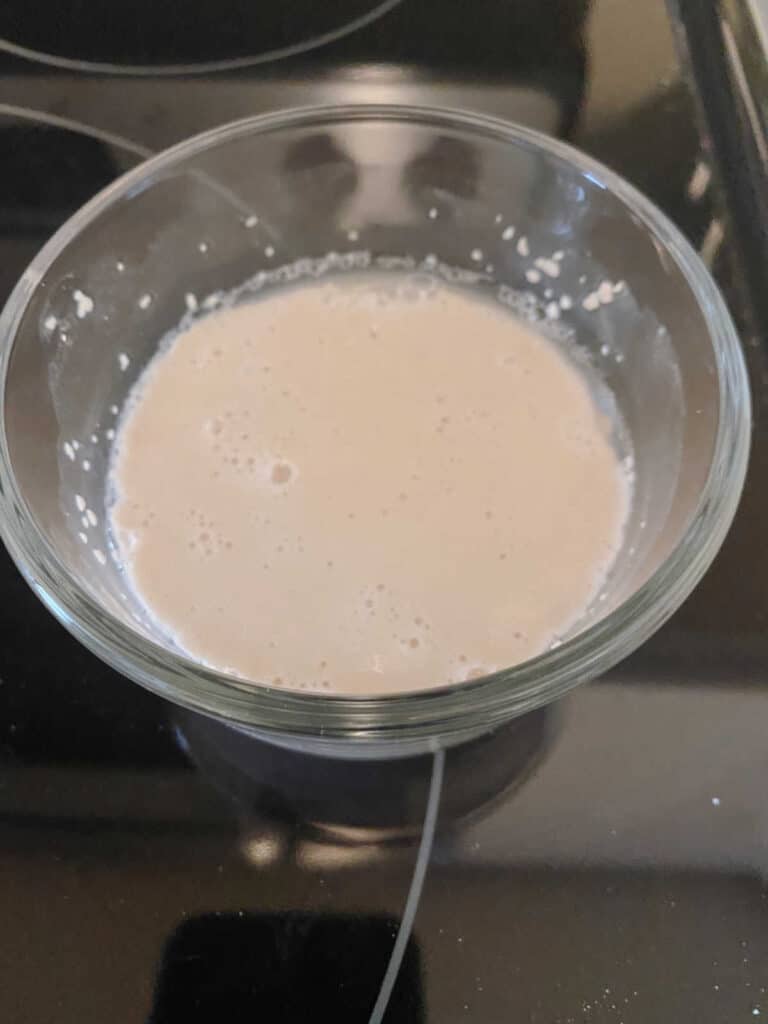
<point>114,410</point>
<point>353,235</point>
<point>83,537</point>
<point>508,233</point>
<point>432,213</point>
<point>533,276</point>
<point>123,361</point>
<point>715,801</point>
<point>80,503</point>
<point>69,451</point>
<point>476,255</point>
<point>100,557</point>
<point>269,251</point>
<point>86,465</point>
<point>251,220</point>
<point>191,301</point>
<point>120,266</point>
<point>92,517</point>
<point>50,323</point>
<point>203,247</point>
<point>110,434</point>
<point>145,301</point>
<point>522,246</point>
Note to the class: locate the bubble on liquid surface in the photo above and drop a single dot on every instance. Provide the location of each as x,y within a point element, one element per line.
<point>282,473</point>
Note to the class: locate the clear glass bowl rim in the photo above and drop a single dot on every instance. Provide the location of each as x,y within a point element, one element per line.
<point>449,710</point>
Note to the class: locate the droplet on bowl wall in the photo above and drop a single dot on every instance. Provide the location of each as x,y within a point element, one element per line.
<point>605,292</point>
<point>549,267</point>
<point>83,303</point>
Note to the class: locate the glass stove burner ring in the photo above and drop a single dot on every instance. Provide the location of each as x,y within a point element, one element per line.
<point>39,52</point>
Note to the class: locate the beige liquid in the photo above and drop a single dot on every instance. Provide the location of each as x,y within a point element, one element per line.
<point>365,486</point>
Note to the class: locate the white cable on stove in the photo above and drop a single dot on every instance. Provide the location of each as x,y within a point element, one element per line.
<point>414,893</point>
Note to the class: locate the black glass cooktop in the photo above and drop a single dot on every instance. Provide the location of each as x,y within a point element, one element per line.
<point>603,860</point>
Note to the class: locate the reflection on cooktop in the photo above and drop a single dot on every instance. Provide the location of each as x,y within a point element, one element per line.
<point>281,792</point>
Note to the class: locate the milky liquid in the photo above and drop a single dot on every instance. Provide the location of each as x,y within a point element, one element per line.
<point>368,485</point>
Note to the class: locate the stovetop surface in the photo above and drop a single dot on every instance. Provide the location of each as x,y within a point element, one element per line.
<point>603,860</point>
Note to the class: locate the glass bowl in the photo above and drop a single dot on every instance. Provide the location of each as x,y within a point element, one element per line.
<point>353,187</point>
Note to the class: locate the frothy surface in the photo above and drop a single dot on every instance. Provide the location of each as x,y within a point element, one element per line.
<point>368,485</point>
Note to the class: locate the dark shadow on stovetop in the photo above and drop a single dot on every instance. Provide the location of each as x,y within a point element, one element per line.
<point>304,796</point>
